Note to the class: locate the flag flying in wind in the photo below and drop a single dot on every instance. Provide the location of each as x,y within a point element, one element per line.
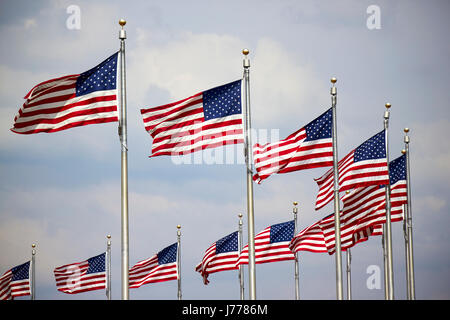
<point>208,119</point>
<point>271,244</point>
<point>309,147</point>
<point>71,101</point>
<point>82,276</point>
<point>364,209</point>
<point>309,239</point>
<point>364,166</point>
<point>162,266</point>
<point>15,282</point>
<point>222,255</point>
<point>351,233</point>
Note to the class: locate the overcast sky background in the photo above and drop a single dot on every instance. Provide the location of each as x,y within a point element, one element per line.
<point>62,190</point>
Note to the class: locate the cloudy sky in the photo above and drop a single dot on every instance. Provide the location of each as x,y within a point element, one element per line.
<point>62,190</point>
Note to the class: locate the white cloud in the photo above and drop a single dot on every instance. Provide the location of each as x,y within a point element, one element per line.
<point>280,84</point>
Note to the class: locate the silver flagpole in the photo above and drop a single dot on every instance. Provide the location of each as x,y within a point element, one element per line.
<point>33,272</point>
<point>349,274</point>
<point>124,165</point>
<point>337,210</point>
<point>108,267</point>
<point>179,260</point>
<point>405,236</point>
<point>296,276</point>
<point>349,269</point>
<point>383,244</point>
<point>249,162</point>
<point>412,285</point>
<point>389,263</point>
<point>241,268</point>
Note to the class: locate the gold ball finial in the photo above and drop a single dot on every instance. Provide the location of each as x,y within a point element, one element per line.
<point>295,203</point>
<point>122,22</point>
<point>403,151</point>
<point>33,245</point>
<point>347,192</point>
<point>406,130</point>
<point>240,215</point>
<point>245,51</point>
<point>333,80</point>
<point>387,105</point>
<point>108,236</point>
<point>178,226</point>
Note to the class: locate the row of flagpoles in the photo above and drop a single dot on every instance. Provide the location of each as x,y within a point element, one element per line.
<point>225,254</point>
<point>203,122</point>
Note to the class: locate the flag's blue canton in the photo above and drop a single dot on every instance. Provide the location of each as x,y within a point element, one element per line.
<point>222,101</point>
<point>282,231</point>
<point>21,272</point>
<point>374,148</point>
<point>397,169</point>
<point>228,243</point>
<point>96,264</point>
<point>168,255</point>
<point>101,77</point>
<point>320,128</point>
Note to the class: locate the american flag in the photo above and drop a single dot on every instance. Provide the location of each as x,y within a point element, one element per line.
<point>15,282</point>
<point>82,276</point>
<point>162,266</point>
<point>271,244</point>
<point>366,165</point>
<point>309,147</point>
<point>309,239</point>
<point>205,120</point>
<point>222,255</point>
<point>351,233</point>
<point>71,101</point>
<point>364,209</point>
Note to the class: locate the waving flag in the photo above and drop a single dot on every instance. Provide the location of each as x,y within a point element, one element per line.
<point>271,244</point>
<point>160,267</point>
<point>364,166</point>
<point>309,147</point>
<point>15,282</point>
<point>310,239</point>
<point>82,276</point>
<point>206,120</point>
<point>351,233</point>
<point>222,255</point>
<point>364,210</point>
<point>71,101</point>
<point>368,205</point>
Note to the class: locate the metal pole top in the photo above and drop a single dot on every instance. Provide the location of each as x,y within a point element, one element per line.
<point>386,113</point>
<point>122,33</point>
<point>245,52</point>
<point>406,135</point>
<point>333,88</point>
<point>403,151</point>
<point>295,209</point>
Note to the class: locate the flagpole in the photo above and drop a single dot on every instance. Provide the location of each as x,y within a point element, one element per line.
<point>179,261</point>
<point>241,268</point>
<point>337,223</point>
<point>108,267</point>
<point>383,244</point>
<point>408,217</point>
<point>389,263</point>
<point>33,271</point>
<point>349,274</point>
<point>296,273</point>
<point>248,161</point>
<point>405,236</point>
<point>124,165</point>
